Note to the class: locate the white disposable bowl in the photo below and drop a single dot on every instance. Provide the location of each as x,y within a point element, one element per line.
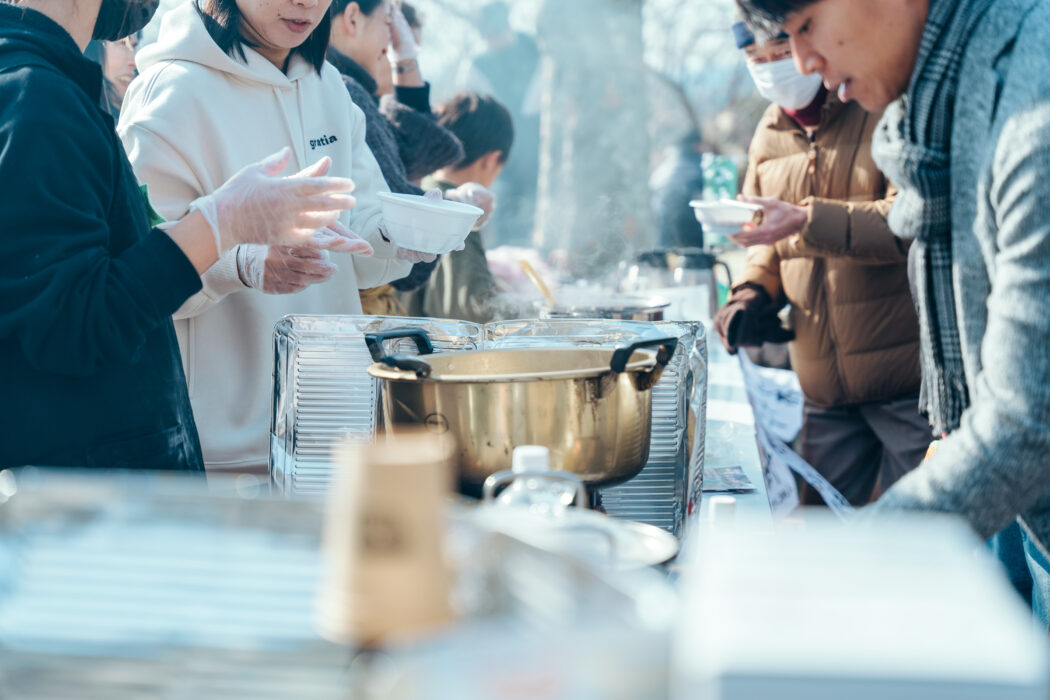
<point>725,216</point>
<point>427,226</point>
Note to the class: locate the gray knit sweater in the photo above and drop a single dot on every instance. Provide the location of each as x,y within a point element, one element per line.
<point>996,466</point>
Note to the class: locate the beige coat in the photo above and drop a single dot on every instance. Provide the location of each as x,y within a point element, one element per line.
<point>845,275</point>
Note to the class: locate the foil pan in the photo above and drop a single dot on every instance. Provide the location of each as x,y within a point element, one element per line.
<point>322,392</point>
<point>670,485</point>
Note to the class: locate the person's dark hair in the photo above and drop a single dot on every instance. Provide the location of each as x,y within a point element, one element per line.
<point>222,20</point>
<point>411,16</point>
<point>367,6</point>
<point>769,14</point>
<point>110,100</point>
<point>481,123</point>
<point>96,51</point>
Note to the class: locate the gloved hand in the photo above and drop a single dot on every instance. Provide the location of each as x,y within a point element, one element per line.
<point>257,206</point>
<point>283,269</point>
<point>476,195</point>
<point>750,318</point>
<point>290,269</point>
<point>403,44</point>
<point>339,238</point>
<point>414,256</point>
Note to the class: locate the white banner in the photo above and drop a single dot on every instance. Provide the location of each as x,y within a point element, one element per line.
<point>777,400</point>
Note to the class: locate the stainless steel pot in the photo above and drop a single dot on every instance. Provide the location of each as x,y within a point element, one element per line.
<point>677,267</point>
<point>592,408</point>
<point>616,306</point>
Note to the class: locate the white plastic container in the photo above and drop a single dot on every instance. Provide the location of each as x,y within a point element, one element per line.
<point>436,226</point>
<point>726,216</point>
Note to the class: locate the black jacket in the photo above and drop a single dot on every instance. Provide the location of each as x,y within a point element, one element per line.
<point>90,374</point>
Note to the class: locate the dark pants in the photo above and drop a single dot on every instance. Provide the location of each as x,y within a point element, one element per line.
<point>1009,547</point>
<point>857,447</point>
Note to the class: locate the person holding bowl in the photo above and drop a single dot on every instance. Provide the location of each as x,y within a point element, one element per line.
<point>823,246</point>
<point>225,81</point>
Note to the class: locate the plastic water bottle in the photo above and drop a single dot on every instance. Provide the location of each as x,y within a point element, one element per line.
<point>539,495</point>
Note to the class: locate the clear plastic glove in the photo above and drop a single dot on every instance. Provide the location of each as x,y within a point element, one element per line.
<point>476,195</point>
<point>403,46</point>
<point>257,206</point>
<point>282,269</point>
<point>340,239</point>
<point>414,256</point>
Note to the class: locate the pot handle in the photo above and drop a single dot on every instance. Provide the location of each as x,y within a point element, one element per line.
<point>622,356</point>
<point>374,342</point>
<point>408,364</point>
<point>498,479</point>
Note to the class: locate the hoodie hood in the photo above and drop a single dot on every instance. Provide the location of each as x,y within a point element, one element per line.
<point>183,37</point>
<point>27,31</point>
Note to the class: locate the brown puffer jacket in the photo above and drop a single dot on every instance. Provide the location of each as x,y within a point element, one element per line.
<point>845,275</point>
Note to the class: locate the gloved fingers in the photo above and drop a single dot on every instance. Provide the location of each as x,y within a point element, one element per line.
<point>275,164</point>
<point>402,30</point>
<point>413,256</point>
<point>304,252</point>
<point>340,239</point>
<point>433,195</point>
<point>280,287</point>
<point>343,240</point>
<point>328,202</point>
<point>293,270</point>
<point>312,186</point>
<point>318,169</point>
<point>402,41</point>
<point>307,223</point>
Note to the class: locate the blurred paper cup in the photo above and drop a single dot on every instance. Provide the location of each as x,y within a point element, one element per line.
<point>385,573</point>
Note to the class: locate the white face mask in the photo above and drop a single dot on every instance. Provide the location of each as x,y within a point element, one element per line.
<point>780,82</point>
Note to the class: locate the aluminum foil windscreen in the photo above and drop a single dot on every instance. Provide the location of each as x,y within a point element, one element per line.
<point>663,493</point>
<point>322,392</point>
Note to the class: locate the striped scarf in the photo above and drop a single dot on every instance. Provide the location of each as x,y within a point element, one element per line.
<point>912,147</point>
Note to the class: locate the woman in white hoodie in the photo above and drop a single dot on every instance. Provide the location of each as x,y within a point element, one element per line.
<point>229,82</point>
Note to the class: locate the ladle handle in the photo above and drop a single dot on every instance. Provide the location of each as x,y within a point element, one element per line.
<point>622,356</point>
<point>374,341</point>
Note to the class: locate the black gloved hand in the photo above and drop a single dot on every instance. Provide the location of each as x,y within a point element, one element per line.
<point>750,318</point>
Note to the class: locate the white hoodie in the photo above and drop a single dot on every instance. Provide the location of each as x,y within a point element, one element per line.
<point>193,118</point>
